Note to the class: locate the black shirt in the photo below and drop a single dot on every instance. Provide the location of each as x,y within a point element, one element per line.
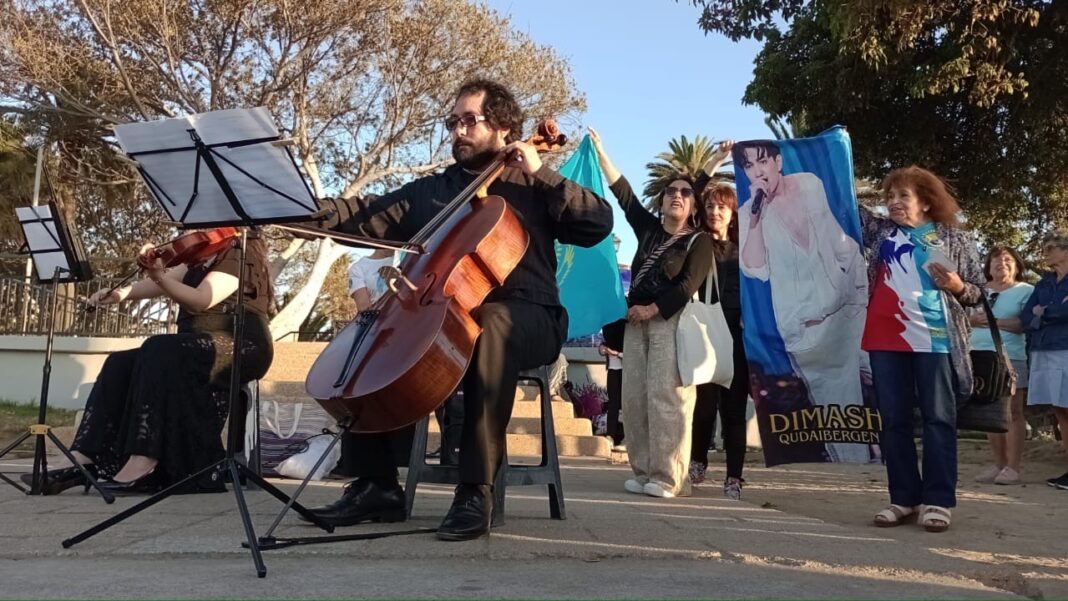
<point>551,208</point>
<point>258,288</point>
<point>678,272</point>
<point>730,284</point>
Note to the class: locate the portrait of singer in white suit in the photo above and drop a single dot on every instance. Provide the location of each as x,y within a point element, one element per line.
<point>817,276</point>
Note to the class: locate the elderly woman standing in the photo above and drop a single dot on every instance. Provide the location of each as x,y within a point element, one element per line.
<point>674,257</point>
<point>1045,316</point>
<point>1008,294</point>
<point>924,270</point>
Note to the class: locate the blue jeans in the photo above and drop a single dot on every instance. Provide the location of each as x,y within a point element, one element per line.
<point>902,382</point>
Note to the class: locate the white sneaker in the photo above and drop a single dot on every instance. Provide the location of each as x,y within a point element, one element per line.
<point>655,490</point>
<point>1007,476</point>
<point>619,448</point>
<point>988,475</point>
<point>632,485</point>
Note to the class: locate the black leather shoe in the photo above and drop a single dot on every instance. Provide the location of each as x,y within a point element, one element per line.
<point>364,500</point>
<point>145,485</point>
<point>470,514</point>
<point>62,479</point>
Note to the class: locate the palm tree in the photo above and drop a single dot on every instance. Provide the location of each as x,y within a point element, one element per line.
<point>683,157</point>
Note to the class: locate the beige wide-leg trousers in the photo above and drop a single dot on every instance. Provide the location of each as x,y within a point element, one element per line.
<point>657,408</point>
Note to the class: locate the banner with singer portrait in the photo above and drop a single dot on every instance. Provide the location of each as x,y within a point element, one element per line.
<point>804,296</point>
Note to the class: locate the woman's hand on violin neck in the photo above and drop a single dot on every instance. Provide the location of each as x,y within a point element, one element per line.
<point>108,297</point>
<point>150,263</point>
<point>523,156</point>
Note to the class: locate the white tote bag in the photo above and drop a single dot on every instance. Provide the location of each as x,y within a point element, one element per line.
<point>704,344</point>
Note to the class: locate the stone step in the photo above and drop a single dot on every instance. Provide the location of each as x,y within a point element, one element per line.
<point>293,360</point>
<point>561,409</point>
<point>530,445</point>
<point>288,390</point>
<point>526,417</point>
<point>532,425</point>
<point>271,389</point>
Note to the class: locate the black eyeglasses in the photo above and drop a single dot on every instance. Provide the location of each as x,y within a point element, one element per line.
<point>671,190</point>
<point>993,298</point>
<point>468,121</point>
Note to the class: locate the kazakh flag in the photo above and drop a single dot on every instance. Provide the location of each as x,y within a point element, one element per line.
<point>590,287</point>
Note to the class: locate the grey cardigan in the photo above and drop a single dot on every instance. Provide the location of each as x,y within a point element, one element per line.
<point>960,248</point>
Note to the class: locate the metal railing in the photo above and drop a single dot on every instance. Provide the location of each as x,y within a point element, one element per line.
<point>25,310</point>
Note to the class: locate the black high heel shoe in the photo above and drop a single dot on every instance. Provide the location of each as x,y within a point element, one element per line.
<point>145,485</point>
<point>62,479</point>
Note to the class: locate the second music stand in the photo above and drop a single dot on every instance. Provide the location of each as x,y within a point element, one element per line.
<point>58,257</point>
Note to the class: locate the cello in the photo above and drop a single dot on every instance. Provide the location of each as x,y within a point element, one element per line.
<point>402,358</point>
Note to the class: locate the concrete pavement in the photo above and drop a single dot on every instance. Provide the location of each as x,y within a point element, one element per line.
<point>613,545</point>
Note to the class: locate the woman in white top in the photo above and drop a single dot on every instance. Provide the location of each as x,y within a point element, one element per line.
<point>366,283</point>
<point>1004,269</point>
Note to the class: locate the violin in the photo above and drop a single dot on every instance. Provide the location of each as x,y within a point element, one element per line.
<point>188,249</point>
<point>402,358</point>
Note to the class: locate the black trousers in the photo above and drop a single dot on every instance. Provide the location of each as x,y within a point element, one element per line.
<point>730,404</point>
<point>614,404</point>
<point>516,335</point>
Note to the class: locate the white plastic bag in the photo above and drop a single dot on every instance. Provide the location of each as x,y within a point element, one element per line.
<point>297,466</point>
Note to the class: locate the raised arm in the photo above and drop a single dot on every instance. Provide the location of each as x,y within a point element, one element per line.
<point>607,167</point>
<point>711,166</point>
<point>640,218</point>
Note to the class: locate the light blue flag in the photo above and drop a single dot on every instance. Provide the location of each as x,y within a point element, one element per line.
<point>590,287</point>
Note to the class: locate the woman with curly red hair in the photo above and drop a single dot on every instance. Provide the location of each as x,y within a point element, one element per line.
<point>924,271</point>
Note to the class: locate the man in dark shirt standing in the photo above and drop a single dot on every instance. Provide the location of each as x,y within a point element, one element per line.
<point>523,323</point>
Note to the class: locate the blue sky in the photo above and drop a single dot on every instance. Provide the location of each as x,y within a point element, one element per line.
<point>649,74</point>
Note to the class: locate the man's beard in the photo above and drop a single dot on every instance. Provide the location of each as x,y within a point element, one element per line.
<point>473,157</point>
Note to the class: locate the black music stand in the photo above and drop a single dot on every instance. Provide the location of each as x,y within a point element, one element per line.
<point>191,167</point>
<point>58,257</point>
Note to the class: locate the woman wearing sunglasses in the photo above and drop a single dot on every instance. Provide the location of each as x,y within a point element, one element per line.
<point>674,256</point>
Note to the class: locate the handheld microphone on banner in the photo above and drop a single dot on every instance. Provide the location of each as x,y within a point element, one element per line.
<point>758,199</point>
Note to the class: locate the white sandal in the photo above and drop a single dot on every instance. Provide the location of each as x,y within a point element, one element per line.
<point>894,515</point>
<point>935,518</point>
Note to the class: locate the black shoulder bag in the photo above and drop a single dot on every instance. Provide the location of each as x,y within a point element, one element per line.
<point>988,409</point>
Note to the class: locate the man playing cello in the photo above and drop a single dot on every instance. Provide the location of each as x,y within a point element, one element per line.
<point>523,323</point>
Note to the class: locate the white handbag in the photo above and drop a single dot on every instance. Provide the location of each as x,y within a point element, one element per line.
<point>703,341</point>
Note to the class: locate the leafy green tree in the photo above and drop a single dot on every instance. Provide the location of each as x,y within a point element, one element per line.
<point>975,91</point>
<point>16,185</point>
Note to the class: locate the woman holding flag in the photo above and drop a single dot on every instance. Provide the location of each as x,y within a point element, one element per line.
<point>674,256</point>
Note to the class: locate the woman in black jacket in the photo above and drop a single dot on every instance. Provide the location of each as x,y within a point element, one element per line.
<point>674,256</point>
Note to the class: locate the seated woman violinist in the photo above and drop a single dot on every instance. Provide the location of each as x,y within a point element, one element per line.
<point>155,413</point>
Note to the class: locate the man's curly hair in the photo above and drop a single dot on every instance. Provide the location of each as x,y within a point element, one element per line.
<point>498,105</point>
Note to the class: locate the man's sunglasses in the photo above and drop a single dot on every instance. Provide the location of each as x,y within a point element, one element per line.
<point>468,121</point>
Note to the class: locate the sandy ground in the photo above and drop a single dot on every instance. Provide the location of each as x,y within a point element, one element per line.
<point>1024,527</point>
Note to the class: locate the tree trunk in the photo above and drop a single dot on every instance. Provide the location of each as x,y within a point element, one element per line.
<point>282,260</point>
<point>287,322</point>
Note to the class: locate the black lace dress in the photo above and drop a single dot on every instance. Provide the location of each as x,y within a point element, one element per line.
<point>168,399</point>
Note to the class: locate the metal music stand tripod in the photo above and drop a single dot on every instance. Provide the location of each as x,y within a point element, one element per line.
<point>58,257</point>
<point>241,175</point>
